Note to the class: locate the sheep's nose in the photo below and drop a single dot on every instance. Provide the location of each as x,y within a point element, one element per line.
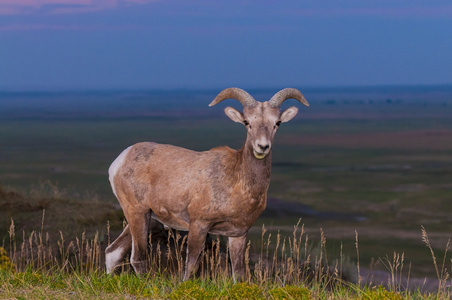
<point>263,147</point>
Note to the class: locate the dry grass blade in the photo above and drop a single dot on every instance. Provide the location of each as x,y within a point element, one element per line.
<point>357,258</point>
<point>12,241</point>
<point>427,242</point>
<point>395,268</point>
<point>442,275</point>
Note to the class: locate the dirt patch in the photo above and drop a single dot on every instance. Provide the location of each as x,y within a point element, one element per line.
<point>71,216</point>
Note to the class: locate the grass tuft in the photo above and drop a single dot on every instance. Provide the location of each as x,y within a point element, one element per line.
<point>279,267</point>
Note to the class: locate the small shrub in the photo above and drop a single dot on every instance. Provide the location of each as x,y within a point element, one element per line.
<point>5,262</point>
<point>192,289</point>
<point>290,292</point>
<point>244,290</point>
<point>382,293</point>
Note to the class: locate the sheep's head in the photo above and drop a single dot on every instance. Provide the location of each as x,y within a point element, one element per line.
<point>262,119</point>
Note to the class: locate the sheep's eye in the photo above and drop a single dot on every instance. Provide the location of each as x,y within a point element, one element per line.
<point>245,122</point>
<point>278,123</point>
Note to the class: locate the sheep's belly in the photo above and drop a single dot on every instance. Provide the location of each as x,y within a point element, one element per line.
<point>222,228</point>
<point>228,229</point>
<point>172,222</point>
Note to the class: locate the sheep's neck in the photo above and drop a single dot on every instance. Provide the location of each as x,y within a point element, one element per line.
<point>255,172</point>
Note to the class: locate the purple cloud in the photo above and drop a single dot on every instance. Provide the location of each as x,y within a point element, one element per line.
<point>14,7</point>
<point>36,27</point>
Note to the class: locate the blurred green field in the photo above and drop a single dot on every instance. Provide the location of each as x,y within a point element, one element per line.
<point>381,155</point>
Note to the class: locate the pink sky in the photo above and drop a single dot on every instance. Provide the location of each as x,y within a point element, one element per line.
<point>14,7</point>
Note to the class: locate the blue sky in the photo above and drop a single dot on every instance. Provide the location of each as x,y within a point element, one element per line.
<point>133,44</point>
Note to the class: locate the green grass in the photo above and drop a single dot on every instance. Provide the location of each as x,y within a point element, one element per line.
<point>74,270</point>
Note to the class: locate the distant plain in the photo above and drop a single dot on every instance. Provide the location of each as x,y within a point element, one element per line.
<point>377,160</point>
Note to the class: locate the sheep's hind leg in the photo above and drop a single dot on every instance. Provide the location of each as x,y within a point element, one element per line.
<point>197,233</point>
<point>237,246</point>
<point>139,228</point>
<point>116,251</point>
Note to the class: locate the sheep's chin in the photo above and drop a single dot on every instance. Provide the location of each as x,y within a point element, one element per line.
<point>259,155</point>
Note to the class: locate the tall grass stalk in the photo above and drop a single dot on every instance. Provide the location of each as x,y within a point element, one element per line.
<point>442,274</point>
<point>395,268</point>
<point>357,258</point>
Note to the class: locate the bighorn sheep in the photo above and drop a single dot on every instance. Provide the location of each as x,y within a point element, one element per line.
<point>220,191</point>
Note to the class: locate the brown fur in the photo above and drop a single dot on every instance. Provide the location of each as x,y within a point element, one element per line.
<point>220,191</point>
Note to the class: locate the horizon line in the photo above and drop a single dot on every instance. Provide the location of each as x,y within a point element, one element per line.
<point>5,90</point>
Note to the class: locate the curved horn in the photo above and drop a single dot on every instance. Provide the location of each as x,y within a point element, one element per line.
<point>285,94</point>
<point>234,93</point>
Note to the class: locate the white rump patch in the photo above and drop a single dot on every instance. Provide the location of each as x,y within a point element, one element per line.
<point>117,163</point>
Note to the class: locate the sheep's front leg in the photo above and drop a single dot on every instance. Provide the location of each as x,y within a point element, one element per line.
<point>237,246</point>
<point>117,250</point>
<point>139,228</point>
<point>197,233</point>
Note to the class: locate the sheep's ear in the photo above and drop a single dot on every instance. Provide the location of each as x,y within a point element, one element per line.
<point>234,115</point>
<point>288,114</point>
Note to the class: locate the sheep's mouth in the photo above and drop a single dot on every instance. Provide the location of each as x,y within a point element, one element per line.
<point>259,155</point>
